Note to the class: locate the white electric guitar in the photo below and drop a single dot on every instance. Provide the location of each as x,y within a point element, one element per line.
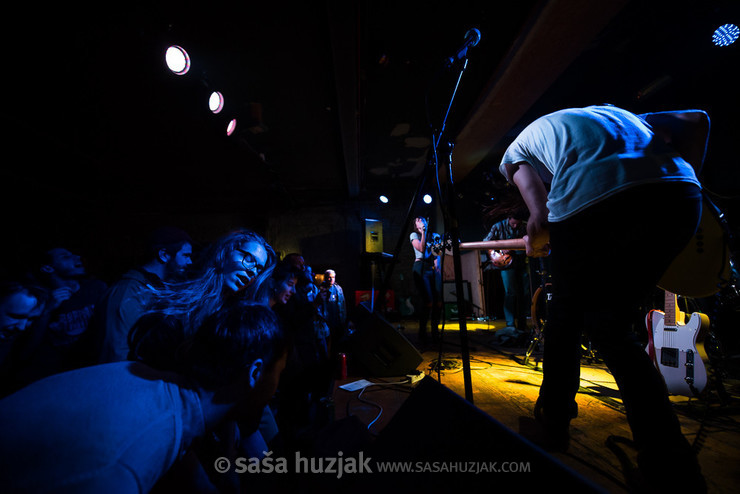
<point>672,345</point>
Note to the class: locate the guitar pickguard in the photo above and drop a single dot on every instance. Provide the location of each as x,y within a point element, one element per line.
<point>676,354</point>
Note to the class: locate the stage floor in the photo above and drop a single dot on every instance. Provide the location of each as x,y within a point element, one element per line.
<point>505,387</point>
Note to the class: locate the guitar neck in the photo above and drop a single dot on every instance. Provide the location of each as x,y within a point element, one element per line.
<point>511,244</point>
<point>673,314</point>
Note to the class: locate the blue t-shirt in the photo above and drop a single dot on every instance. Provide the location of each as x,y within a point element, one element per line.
<point>588,154</point>
<point>107,428</point>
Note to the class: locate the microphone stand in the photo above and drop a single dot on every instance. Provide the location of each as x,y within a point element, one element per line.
<point>452,227</point>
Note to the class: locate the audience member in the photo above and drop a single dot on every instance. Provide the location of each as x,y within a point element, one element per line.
<point>230,269</point>
<point>307,378</point>
<point>119,427</point>
<point>306,289</point>
<point>333,306</point>
<point>280,287</point>
<point>169,255</point>
<point>21,303</point>
<point>68,339</point>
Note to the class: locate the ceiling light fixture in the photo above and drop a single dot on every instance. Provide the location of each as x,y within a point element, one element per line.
<point>177,59</point>
<point>231,127</point>
<point>216,102</point>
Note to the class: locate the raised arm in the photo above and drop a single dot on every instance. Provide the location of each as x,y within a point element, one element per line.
<point>420,243</point>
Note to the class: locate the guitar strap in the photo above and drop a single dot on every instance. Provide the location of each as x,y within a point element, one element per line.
<point>726,235</point>
<point>651,343</point>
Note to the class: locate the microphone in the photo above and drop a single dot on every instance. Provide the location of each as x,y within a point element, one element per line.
<point>472,37</point>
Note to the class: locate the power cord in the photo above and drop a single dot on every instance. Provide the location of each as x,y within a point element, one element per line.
<point>411,378</point>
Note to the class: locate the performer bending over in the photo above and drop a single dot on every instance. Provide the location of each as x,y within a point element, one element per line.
<point>595,179</point>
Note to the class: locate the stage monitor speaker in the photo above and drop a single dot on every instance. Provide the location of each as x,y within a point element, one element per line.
<point>444,441</point>
<point>373,235</point>
<point>377,349</point>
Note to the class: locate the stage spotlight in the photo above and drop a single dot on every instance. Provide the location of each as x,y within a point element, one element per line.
<point>383,199</point>
<point>427,199</point>
<point>231,127</point>
<point>725,35</point>
<point>177,59</point>
<point>216,102</point>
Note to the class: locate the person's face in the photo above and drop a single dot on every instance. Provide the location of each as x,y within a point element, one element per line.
<point>17,312</point>
<point>514,223</point>
<point>65,264</point>
<point>177,264</point>
<point>182,259</point>
<point>246,262</point>
<point>330,277</point>
<point>285,290</point>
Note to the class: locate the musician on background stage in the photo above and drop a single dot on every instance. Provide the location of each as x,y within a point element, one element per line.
<point>596,180</point>
<point>427,279</point>
<point>514,270</point>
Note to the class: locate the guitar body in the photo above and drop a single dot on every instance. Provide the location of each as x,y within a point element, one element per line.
<point>675,352</point>
<point>501,259</point>
<point>703,267</point>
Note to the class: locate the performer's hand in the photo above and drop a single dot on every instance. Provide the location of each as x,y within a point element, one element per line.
<point>537,240</point>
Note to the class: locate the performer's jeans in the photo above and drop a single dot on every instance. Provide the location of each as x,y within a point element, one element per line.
<point>516,296</point>
<point>605,263</point>
<point>429,286</point>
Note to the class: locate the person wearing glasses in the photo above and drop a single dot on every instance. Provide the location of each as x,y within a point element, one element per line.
<point>229,272</point>
<point>232,268</point>
<point>170,251</point>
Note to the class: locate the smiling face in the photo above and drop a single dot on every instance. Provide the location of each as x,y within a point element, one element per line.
<point>244,264</point>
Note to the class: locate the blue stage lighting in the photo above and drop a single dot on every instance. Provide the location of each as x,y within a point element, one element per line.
<point>725,35</point>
